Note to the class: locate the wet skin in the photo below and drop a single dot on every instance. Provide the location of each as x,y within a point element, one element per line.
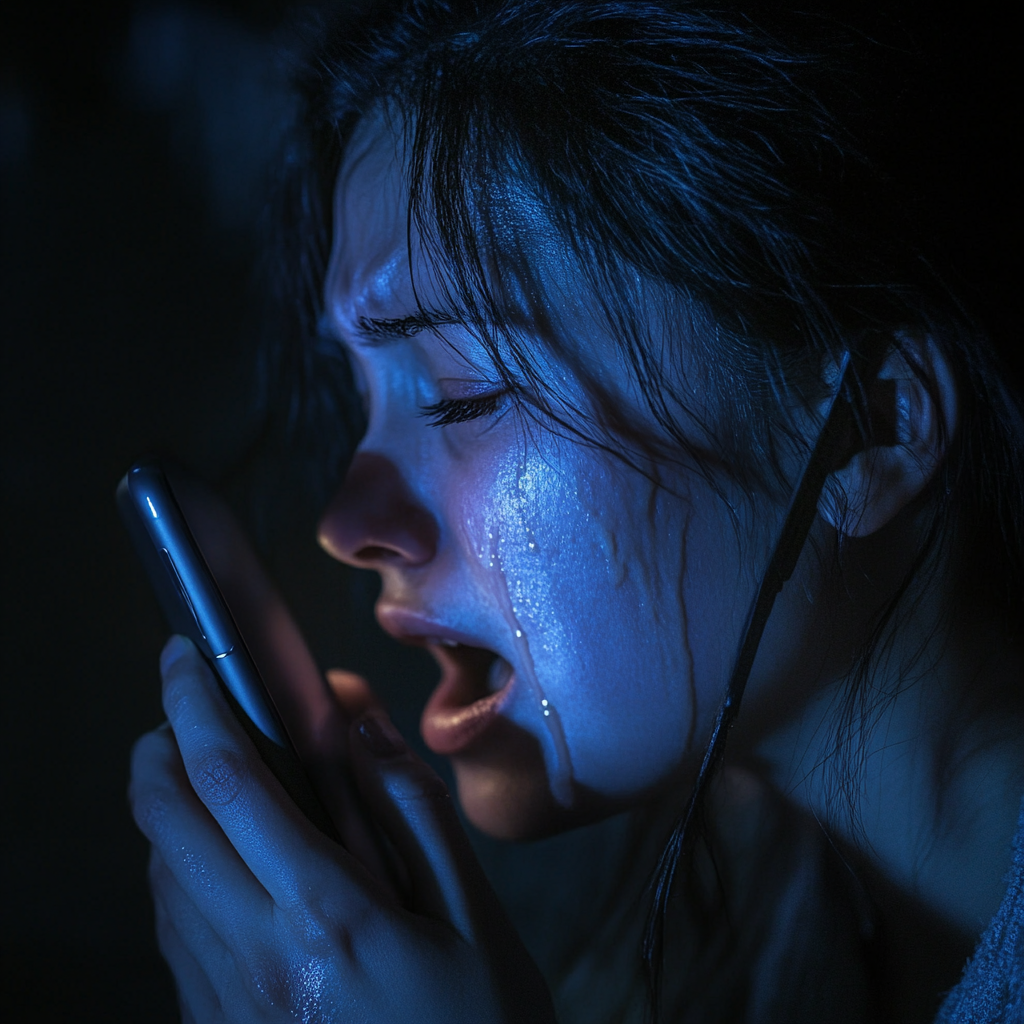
<point>621,604</point>
<point>585,622</point>
<point>532,565</point>
<point>616,604</point>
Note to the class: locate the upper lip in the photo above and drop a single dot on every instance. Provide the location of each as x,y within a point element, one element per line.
<point>415,628</point>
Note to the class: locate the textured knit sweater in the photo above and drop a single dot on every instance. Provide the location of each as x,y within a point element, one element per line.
<point>991,990</point>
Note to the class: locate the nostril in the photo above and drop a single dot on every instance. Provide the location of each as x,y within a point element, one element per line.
<point>375,520</point>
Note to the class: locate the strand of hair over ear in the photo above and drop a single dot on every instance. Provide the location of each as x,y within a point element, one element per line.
<point>846,430</point>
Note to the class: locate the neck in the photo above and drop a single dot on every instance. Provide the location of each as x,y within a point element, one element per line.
<point>927,781</point>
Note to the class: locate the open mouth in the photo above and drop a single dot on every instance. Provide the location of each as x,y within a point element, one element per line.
<point>474,686</point>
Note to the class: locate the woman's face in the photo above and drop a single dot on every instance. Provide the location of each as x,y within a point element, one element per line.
<point>584,620</point>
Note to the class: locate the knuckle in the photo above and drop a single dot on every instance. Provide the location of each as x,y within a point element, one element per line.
<point>301,963</point>
<point>219,777</point>
<point>296,982</point>
<point>269,980</point>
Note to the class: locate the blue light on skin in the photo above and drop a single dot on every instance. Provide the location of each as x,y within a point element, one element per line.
<point>617,602</point>
<point>531,529</point>
<point>151,509</point>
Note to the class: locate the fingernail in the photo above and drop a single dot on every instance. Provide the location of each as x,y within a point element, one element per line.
<point>380,736</point>
<point>174,650</point>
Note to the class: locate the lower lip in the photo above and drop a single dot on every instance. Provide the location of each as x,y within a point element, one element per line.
<point>449,727</point>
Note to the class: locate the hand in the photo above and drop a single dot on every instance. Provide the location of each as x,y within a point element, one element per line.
<point>262,918</point>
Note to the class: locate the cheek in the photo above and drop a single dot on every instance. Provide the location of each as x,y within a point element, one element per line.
<point>587,564</point>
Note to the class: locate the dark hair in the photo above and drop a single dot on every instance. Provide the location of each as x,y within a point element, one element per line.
<point>689,165</point>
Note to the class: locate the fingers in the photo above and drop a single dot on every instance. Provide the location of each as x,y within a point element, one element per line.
<point>287,854</point>
<point>329,769</point>
<point>415,809</point>
<point>352,692</point>
<point>189,842</point>
<point>199,999</point>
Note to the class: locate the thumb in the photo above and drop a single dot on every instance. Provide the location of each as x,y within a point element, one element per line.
<point>351,692</point>
<point>413,806</point>
<point>329,766</point>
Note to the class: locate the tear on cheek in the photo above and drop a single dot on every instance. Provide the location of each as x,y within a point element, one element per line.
<point>609,548</point>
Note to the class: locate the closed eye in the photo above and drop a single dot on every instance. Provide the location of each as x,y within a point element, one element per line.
<point>460,410</point>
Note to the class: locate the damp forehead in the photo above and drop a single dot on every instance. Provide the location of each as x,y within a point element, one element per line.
<point>380,266</point>
<point>374,228</point>
<point>369,266</point>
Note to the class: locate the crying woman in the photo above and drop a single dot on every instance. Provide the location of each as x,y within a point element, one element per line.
<point>706,498</point>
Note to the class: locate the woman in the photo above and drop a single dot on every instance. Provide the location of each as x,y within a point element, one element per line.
<point>635,337</point>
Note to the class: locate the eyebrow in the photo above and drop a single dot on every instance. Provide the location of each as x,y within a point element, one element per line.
<point>385,329</point>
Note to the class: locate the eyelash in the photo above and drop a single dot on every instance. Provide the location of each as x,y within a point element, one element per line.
<point>461,410</point>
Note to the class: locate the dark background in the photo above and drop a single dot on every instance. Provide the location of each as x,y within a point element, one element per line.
<point>134,141</point>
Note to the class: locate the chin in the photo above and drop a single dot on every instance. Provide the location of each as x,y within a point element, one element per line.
<point>508,797</point>
<point>507,803</point>
<point>502,784</point>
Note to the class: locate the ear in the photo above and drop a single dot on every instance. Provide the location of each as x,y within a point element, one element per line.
<point>877,483</point>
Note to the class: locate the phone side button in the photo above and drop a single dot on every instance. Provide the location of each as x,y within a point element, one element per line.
<point>183,593</point>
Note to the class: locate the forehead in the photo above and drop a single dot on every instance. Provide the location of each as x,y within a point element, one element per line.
<point>379,256</point>
<point>557,329</point>
<point>380,271</point>
<point>369,271</point>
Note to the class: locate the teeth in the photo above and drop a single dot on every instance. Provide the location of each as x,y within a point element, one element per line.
<point>498,674</point>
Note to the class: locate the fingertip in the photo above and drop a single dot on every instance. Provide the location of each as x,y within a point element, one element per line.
<point>154,759</point>
<point>152,747</point>
<point>377,734</point>
<point>416,812</point>
<point>181,668</point>
<point>177,648</point>
<point>385,763</point>
<point>352,692</point>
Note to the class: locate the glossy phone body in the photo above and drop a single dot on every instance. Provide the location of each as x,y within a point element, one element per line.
<point>194,606</point>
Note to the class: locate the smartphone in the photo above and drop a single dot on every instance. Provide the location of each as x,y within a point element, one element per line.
<point>153,499</point>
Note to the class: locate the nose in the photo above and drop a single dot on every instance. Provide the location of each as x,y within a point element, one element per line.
<point>374,520</point>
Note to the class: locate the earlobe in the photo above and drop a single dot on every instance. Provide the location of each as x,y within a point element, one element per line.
<point>879,482</point>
